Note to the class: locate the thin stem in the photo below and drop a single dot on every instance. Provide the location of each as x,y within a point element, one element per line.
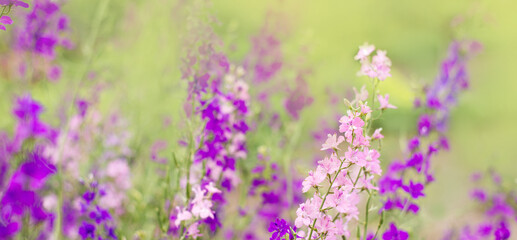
<point>328,191</point>
<point>101,11</point>
<point>381,221</point>
<point>366,215</point>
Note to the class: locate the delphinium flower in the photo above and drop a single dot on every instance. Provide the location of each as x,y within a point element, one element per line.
<point>27,170</point>
<point>265,58</point>
<point>405,181</point>
<point>268,198</point>
<point>495,210</point>
<point>342,177</point>
<point>6,6</point>
<point>96,221</point>
<point>273,187</point>
<point>281,230</point>
<point>199,210</point>
<point>89,132</point>
<point>37,38</point>
<point>218,101</point>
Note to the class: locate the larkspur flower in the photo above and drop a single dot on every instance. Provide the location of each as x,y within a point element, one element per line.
<point>394,233</point>
<point>396,185</point>
<point>383,101</point>
<point>360,162</point>
<point>332,142</point>
<point>5,20</point>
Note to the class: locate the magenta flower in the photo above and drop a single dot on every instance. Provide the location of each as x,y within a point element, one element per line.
<point>383,101</point>
<point>5,20</point>
<point>393,233</point>
<point>414,189</point>
<point>332,142</point>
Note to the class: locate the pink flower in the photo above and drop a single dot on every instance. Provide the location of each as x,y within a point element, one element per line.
<point>5,20</point>
<point>332,142</point>
<point>344,202</point>
<point>366,183</point>
<point>314,179</point>
<point>364,51</point>
<point>325,224</point>
<point>382,65</point>
<point>365,109</point>
<point>183,215</point>
<point>362,95</point>
<point>384,101</point>
<point>211,188</point>
<point>193,231</point>
<point>377,134</point>
<point>330,165</point>
<point>201,207</point>
<point>308,211</point>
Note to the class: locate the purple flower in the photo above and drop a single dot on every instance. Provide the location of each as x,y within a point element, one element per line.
<point>414,189</point>
<point>5,20</point>
<point>478,194</point>
<point>413,144</point>
<point>87,230</point>
<point>280,228</point>
<point>424,125</point>
<point>502,232</point>
<point>416,161</point>
<point>394,234</point>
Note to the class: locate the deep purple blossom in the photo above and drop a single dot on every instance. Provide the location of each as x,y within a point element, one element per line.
<point>502,232</point>
<point>279,228</point>
<point>393,233</point>
<point>414,189</point>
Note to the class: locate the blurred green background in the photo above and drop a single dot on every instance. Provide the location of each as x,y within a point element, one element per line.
<point>138,48</point>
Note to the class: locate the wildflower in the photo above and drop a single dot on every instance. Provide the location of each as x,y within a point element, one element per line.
<point>377,134</point>
<point>280,228</point>
<point>393,233</point>
<point>314,179</point>
<point>364,51</point>
<point>383,101</point>
<point>332,142</point>
<point>5,20</point>
<point>414,189</point>
<point>502,232</point>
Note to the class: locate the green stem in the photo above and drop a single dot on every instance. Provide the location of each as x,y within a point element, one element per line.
<point>328,191</point>
<point>381,221</point>
<point>102,6</point>
<point>366,215</point>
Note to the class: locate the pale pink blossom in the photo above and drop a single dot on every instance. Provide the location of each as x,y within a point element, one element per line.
<point>193,231</point>
<point>330,164</point>
<point>308,211</point>
<point>211,188</point>
<point>313,179</point>
<point>332,142</point>
<point>365,109</point>
<point>383,101</point>
<point>361,95</point>
<point>325,224</point>
<point>377,134</point>
<point>364,51</point>
<point>183,215</point>
<point>201,207</point>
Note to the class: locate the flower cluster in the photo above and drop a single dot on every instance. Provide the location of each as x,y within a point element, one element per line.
<point>200,209</point>
<point>329,213</point>
<point>400,189</point>
<point>97,222</point>
<point>20,196</point>
<point>39,36</point>
<point>225,130</point>
<point>497,206</point>
<point>6,6</point>
<point>378,67</point>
